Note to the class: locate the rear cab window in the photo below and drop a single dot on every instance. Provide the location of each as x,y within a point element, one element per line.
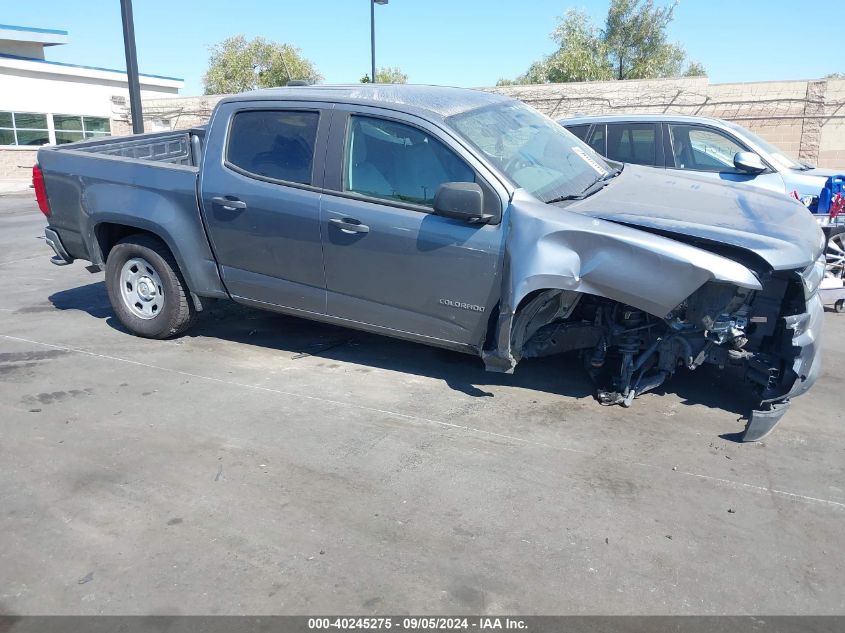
<point>273,145</point>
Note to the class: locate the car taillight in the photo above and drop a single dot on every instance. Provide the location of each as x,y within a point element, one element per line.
<point>40,191</point>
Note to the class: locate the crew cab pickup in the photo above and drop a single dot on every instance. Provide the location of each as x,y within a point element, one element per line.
<point>456,218</point>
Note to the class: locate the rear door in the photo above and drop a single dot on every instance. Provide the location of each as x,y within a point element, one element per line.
<point>597,138</point>
<point>635,142</point>
<point>390,262</point>
<point>579,130</point>
<point>260,192</point>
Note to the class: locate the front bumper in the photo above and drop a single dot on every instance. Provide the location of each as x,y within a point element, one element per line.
<point>806,339</point>
<point>807,336</point>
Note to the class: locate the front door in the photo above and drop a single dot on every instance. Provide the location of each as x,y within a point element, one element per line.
<point>261,201</point>
<point>710,152</point>
<point>390,262</point>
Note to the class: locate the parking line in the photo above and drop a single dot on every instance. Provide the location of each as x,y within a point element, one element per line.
<point>739,485</point>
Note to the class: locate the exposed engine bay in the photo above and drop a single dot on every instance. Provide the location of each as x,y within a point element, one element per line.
<point>628,352</point>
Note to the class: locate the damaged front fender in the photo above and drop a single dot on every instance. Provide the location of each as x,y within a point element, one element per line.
<point>549,247</point>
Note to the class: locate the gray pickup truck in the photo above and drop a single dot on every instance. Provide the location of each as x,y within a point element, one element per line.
<point>456,218</point>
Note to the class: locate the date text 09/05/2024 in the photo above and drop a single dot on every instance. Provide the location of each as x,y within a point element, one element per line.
<point>416,623</point>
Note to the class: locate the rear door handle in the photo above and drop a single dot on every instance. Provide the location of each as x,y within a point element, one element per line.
<point>349,225</point>
<point>230,204</point>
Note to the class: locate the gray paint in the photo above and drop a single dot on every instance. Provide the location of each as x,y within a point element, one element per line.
<point>553,247</point>
<point>271,250</point>
<point>87,190</point>
<point>412,273</point>
<point>774,226</point>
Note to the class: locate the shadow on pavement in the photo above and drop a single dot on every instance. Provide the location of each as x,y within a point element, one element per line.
<point>296,338</point>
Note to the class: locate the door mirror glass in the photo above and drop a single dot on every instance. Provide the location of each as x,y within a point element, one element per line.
<point>461,201</point>
<point>749,162</point>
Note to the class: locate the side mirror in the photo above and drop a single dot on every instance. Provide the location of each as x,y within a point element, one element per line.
<point>461,201</point>
<point>749,162</point>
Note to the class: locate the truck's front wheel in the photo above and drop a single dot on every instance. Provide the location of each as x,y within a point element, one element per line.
<point>146,289</point>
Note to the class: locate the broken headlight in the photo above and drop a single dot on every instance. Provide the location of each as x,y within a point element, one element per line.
<point>812,276</point>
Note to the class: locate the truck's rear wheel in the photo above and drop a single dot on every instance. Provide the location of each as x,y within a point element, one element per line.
<point>146,289</point>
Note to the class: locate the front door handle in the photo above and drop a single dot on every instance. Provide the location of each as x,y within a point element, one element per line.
<point>349,225</point>
<point>230,204</point>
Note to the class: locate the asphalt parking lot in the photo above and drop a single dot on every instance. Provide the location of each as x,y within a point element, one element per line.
<point>265,464</point>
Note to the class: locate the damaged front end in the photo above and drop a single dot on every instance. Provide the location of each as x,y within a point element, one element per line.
<point>765,324</point>
<point>628,352</point>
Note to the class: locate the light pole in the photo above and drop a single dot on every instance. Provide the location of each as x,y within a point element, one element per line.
<point>373,4</point>
<point>132,67</point>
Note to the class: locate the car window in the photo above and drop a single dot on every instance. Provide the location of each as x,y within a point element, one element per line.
<point>579,130</point>
<point>703,149</point>
<point>394,161</point>
<point>277,144</point>
<point>530,149</point>
<point>632,143</point>
<point>597,140</point>
<point>773,151</point>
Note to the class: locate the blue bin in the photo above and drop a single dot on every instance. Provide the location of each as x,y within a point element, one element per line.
<point>833,186</point>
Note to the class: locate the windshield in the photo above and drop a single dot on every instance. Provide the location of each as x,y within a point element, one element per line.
<point>533,151</point>
<point>774,153</point>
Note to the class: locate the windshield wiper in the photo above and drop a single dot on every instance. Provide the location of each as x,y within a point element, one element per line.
<point>597,185</point>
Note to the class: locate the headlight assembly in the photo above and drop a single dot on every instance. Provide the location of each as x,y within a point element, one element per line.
<point>812,276</point>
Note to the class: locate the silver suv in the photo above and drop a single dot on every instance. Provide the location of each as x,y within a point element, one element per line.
<point>712,147</point>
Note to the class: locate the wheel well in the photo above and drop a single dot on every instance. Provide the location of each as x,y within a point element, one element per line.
<point>537,309</point>
<point>109,234</point>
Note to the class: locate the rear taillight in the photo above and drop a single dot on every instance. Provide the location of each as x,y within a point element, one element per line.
<point>40,191</point>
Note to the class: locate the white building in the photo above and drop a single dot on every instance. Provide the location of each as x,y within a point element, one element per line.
<point>43,101</point>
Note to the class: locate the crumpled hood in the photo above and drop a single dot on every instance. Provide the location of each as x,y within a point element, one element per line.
<point>774,226</point>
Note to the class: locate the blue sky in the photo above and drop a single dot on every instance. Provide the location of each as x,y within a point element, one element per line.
<point>450,42</point>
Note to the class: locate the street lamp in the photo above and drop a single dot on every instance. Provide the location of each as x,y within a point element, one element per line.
<point>373,4</point>
<point>132,66</point>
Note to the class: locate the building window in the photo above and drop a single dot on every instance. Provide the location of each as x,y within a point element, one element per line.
<point>32,129</point>
<point>23,128</point>
<point>70,128</point>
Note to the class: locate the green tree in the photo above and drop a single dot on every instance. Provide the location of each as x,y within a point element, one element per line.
<point>387,75</point>
<point>635,36</point>
<point>694,69</point>
<point>632,45</point>
<point>237,64</point>
<point>582,54</point>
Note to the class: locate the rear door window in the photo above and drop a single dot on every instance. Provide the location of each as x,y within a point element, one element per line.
<point>579,130</point>
<point>632,143</point>
<point>273,144</point>
<point>597,138</point>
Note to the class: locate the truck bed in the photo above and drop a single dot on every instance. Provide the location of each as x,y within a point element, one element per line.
<point>179,147</point>
<point>100,190</point>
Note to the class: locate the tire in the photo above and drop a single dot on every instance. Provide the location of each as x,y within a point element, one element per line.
<point>839,306</point>
<point>146,289</point>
